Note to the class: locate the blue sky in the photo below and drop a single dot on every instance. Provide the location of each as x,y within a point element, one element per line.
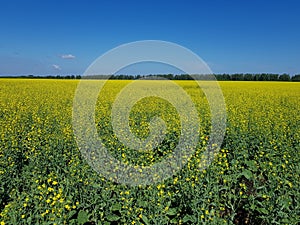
<point>65,37</point>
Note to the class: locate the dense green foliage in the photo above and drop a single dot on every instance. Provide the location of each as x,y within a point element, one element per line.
<point>255,178</point>
<point>220,77</point>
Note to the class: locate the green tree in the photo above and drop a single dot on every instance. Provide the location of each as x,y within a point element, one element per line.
<point>284,77</point>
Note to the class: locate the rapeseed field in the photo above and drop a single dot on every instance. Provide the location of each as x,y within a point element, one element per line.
<point>253,179</point>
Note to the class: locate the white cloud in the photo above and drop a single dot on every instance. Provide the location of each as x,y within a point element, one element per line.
<point>57,67</point>
<point>68,56</point>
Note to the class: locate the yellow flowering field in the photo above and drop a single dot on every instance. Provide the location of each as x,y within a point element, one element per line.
<point>253,179</point>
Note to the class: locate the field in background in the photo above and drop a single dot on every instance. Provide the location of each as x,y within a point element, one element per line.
<point>255,178</point>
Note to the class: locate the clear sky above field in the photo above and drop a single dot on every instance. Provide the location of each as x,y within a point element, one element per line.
<point>64,37</point>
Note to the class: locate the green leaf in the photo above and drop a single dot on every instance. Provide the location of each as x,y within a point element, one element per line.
<point>248,174</point>
<point>253,207</point>
<point>143,204</point>
<point>262,210</point>
<point>112,217</point>
<point>82,217</point>
<point>188,218</point>
<point>72,213</point>
<point>172,211</point>
<point>174,221</point>
<point>251,165</point>
<point>145,219</point>
<point>116,207</point>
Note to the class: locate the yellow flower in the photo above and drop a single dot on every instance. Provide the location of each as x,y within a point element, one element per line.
<point>23,216</point>
<point>54,182</point>
<point>50,189</point>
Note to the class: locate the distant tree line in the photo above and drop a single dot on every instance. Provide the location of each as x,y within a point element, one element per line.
<point>257,77</point>
<point>228,77</point>
<point>220,77</point>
